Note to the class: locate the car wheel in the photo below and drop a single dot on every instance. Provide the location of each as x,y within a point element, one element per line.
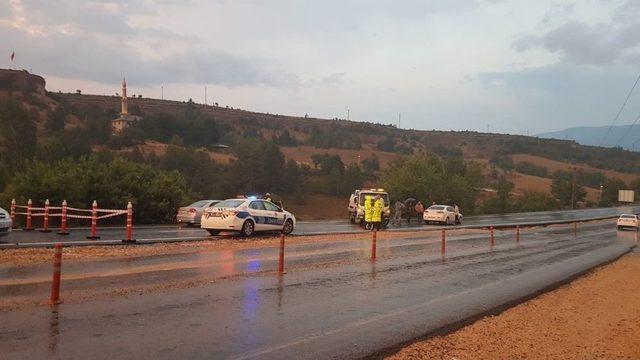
<point>426,222</point>
<point>288,227</point>
<point>213,232</point>
<point>459,221</point>
<point>247,228</point>
<point>619,227</point>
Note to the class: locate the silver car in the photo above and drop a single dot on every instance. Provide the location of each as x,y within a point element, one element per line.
<point>5,222</point>
<point>192,214</point>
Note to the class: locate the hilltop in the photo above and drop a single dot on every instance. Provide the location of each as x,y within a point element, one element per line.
<point>625,136</point>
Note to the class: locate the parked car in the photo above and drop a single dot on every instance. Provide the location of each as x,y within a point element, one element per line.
<point>5,222</point>
<point>627,221</point>
<point>442,214</point>
<point>192,214</point>
<point>247,215</point>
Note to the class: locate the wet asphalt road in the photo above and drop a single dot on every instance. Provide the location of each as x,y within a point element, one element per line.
<point>173,233</point>
<point>337,310</point>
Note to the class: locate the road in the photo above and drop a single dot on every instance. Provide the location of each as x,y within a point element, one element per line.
<point>344,307</point>
<point>174,233</point>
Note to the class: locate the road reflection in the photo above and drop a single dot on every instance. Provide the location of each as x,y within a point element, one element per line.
<point>54,331</point>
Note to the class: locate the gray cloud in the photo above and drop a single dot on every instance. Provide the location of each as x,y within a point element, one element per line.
<point>561,96</point>
<point>615,42</point>
<point>101,49</point>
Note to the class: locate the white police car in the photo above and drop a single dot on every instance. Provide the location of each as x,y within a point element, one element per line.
<point>5,222</point>
<point>247,216</point>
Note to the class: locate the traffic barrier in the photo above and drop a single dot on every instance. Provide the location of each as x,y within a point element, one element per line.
<point>518,234</point>
<point>63,219</point>
<point>129,233</point>
<point>95,214</point>
<point>12,214</point>
<point>281,256</point>
<point>94,222</point>
<point>54,299</point>
<point>443,248</point>
<point>492,240</point>
<point>45,221</point>
<point>575,229</point>
<point>28,226</point>
<point>374,245</point>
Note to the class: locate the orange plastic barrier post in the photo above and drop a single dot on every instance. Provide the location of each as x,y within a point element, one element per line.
<point>13,213</point>
<point>54,299</point>
<point>28,225</point>
<point>443,248</point>
<point>63,219</point>
<point>518,233</point>
<point>492,240</point>
<point>94,222</point>
<point>129,235</point>
<point>45,221</point>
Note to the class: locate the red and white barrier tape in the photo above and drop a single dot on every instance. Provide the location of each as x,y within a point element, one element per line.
<point>112,214</point>
<point>76,209</point>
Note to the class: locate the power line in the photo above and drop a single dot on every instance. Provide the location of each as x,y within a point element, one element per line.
<point>620,111</point>
<point>628,130</point>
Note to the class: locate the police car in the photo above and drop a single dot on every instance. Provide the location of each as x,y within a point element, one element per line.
<point>247,215</point>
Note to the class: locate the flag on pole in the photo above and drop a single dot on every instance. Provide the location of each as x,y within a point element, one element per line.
<point>13,55</point>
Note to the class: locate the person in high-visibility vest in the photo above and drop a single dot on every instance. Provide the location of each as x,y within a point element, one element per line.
<point>378,206</point>
<point>368,211</point>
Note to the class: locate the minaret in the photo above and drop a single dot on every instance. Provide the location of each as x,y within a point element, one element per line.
<point>124,109</point>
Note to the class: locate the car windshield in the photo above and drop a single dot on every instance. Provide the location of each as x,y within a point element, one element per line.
<point>436,208</point>
<point>232,204</point>
<point>199,204</point>
<point>363,196</point>
<point>627,216</point>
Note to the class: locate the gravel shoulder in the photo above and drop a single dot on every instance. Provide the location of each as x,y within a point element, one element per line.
<point>594,317</point>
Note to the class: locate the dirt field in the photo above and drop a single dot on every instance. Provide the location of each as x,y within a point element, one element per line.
<point>553,166</point>
<point>594,317</point>
<point>524,182</point>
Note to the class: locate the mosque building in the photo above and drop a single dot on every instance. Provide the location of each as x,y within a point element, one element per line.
<point>125,120</point>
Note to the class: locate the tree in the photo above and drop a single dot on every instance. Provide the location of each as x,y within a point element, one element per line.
<point>17,138</point>
<point>259,166</point>
<point>155,194</point>
<point>328,163</point>
<point>371,164</point>
<point>426,177</point>
<point>562,186</point>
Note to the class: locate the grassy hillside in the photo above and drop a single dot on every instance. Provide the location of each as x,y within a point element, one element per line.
<point>323,158</point>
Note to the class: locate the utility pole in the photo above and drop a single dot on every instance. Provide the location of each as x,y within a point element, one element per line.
<point>573,187</point>
<point>162,92</point>
<point>348,114</point>
<point>205,94</point>
<point>399,120</point>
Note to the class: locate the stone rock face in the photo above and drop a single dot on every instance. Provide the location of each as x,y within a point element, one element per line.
<point>21,81</point>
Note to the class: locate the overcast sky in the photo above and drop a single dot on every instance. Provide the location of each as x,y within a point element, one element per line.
<point>506,66</point>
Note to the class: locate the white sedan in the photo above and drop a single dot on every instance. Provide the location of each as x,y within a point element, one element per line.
<point>442,214</point>
<point>247,216</point>
<point>627,221</point>
<point>5,222</point>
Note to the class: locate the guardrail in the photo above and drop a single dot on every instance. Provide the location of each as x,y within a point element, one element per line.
<point>66,212</point>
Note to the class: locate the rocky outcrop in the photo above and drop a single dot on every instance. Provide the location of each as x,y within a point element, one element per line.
<point>21,81</point>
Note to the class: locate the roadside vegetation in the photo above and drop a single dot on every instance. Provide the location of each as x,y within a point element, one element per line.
<point>66,151</point>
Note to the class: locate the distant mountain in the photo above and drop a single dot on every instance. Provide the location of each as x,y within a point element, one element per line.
<point>622,135</point>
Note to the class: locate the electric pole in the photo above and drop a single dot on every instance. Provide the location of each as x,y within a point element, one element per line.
<point>399,120</point>
<point>573,187</point>
<point>348,114</point>
<point>162,92</point>
<point>205,94</point>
